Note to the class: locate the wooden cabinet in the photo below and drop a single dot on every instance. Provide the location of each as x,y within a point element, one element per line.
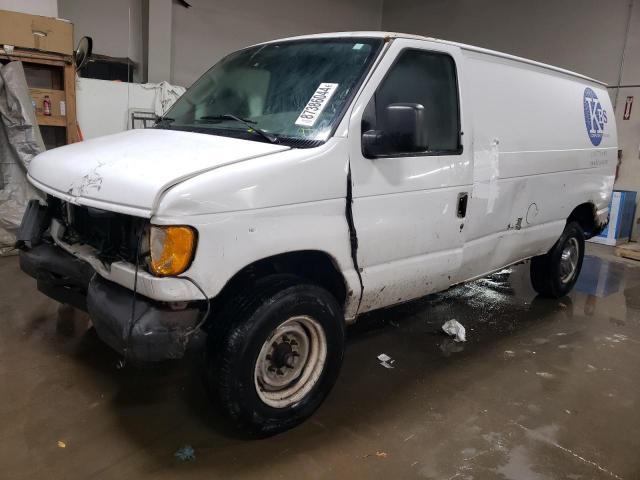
<point>45,47</point>
<point>52,75</point>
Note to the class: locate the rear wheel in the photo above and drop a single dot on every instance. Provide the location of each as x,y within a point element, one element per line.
<point>555,273</point>
<point>274,353</point>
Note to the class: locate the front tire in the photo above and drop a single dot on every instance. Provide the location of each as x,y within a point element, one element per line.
<point>555,273</point>
<point>275,353</point>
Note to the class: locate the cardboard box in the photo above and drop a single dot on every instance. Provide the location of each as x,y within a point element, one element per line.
<point>32,31</point>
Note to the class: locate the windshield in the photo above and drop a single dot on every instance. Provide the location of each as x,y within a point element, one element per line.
<point>294,91</point>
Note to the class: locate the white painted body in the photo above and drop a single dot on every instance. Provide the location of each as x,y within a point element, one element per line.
<point>526,163</point>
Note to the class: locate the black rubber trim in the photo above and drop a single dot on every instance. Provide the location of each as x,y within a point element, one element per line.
<point>158,333</point>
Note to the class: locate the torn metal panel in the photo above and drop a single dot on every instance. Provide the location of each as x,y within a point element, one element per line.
<point>353,236</point>
<point>486,174</point>
<point>20,141</point>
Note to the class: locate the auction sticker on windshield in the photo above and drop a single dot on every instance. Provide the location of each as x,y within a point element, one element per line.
<point>316,104</point>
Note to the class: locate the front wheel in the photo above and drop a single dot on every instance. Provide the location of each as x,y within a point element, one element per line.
<point>555,273</point>
<point>275,354</point>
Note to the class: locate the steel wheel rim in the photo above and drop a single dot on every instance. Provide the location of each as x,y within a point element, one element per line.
<point>290,361</point>
<point>569,260</point>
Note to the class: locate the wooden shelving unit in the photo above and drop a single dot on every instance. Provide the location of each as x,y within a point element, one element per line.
<point>50,74</point>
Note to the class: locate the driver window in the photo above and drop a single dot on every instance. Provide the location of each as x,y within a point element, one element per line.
<point>427,79</point>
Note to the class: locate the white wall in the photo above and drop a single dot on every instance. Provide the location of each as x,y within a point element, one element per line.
<point>103,107</point>
<point>629,130</point>
<point>586,36</point>
<point>108,22</point>
<point>159,40</point>
<point>46,8</point>
<point>581,35</point>
<point>209,30</point>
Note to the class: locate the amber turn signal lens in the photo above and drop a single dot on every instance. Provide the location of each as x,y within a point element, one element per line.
<point>172,249</point>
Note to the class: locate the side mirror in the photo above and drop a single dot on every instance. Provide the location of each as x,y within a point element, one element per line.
<point>405,125</point>
<point>83,52</point>
<point>403,131</point>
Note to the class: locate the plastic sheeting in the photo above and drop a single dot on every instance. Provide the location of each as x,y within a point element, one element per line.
<point>166,95</point>
<point>20,141</point>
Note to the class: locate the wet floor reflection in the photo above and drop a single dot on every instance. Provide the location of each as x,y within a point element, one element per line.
<point>599,278</point>
<point>542,388</point>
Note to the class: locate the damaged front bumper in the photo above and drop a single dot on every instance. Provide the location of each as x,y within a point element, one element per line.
<point>159,332</point>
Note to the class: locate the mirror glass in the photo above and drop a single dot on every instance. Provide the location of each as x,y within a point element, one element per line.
<point>83,52</point>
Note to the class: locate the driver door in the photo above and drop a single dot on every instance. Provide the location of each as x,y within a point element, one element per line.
<point>409,201</point>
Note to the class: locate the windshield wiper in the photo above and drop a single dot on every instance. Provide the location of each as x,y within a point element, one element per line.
<point>228,116</point>
<point>165,120</point>
<point>250,124</point>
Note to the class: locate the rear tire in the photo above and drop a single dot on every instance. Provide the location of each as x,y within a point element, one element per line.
<point>555,273</point>
<point>274,353</point>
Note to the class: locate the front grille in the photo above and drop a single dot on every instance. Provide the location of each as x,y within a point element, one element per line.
<point>115,236</point>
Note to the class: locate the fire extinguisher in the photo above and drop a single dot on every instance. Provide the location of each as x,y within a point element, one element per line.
<point>46,106</point>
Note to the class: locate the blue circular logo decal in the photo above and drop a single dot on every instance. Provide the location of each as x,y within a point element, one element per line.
<point>595,117</point>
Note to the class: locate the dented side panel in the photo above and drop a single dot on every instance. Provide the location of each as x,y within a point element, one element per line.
<point>230,241</point>
<point>410,237</point>
<point>252,210</point>
<point>534,161</point>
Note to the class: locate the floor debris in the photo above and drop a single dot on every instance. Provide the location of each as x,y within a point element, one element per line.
<point>381,454</point>
<point>185,453</point>
<point>455,328</point>
<point>385,360</point>
<point>61,444</point>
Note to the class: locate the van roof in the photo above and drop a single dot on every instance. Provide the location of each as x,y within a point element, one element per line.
<point>377,34</point>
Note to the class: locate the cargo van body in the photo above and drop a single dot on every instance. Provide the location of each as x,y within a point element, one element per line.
<point>411,165</point>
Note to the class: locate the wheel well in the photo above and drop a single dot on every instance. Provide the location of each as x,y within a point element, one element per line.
<point>585,215</point>
<point>315,266</point>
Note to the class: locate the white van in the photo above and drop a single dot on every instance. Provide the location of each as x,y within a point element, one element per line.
<point>302,182</point>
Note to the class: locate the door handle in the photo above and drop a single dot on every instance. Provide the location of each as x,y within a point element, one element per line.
<point>463,198</point>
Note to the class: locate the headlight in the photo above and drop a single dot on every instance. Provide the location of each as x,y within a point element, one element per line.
<point>172,249</point>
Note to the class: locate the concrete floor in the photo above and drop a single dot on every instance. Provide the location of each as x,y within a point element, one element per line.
<point>543,389</point>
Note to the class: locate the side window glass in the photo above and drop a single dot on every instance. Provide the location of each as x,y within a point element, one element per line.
<point>415,109</point>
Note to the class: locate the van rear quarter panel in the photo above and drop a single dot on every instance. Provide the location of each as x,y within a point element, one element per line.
<point>534,160</point>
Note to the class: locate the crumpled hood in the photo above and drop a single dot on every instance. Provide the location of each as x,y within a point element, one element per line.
<point>129,171</point>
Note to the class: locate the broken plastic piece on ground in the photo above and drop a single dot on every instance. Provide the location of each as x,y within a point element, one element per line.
<point>385,360</point>
<point>185,453</point>
<point>61,444</point>
<point>454,328</point>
